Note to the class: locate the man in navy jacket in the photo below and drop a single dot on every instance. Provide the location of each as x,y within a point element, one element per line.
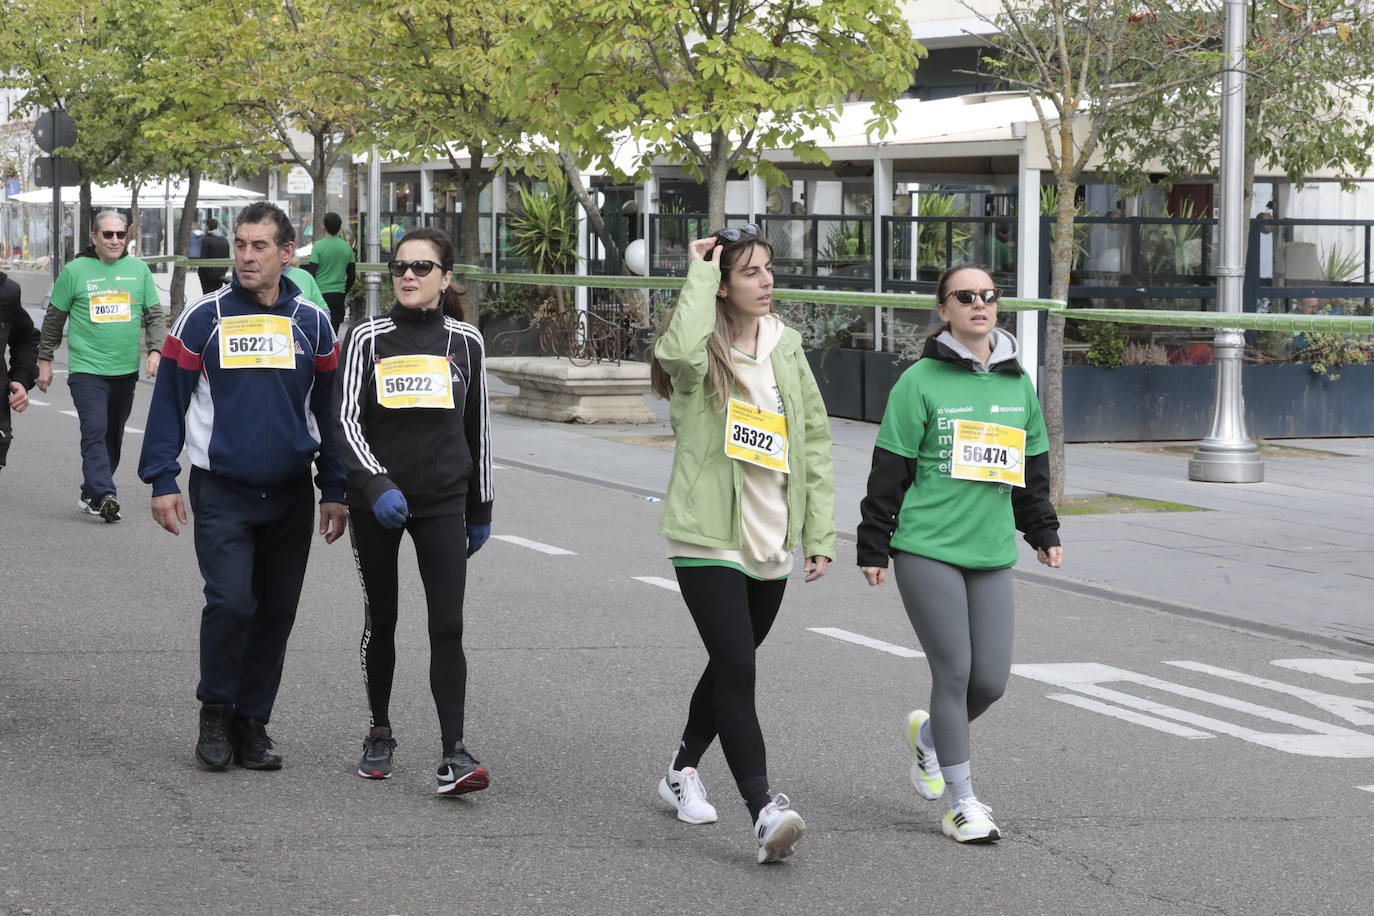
<point>18,373</point>
<point>246,387</point>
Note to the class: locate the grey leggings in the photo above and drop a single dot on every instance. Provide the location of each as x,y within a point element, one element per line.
<point>963,618</point>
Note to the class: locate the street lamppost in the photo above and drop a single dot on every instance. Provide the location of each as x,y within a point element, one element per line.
<point>1227,455</point>
<point>372,280</point>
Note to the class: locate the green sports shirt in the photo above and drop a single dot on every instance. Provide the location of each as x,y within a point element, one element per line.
<point>309,288</point>
<point>105,305</point>
<point>968,523</point>
<point>333,255</point>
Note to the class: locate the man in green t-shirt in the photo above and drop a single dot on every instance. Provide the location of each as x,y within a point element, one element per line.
<point>336,267</point>
<point>108,297</point>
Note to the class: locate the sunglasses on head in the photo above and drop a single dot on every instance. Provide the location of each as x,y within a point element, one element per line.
<point>734,234</point>
<point>418,268</point>
<point>114,233</point>
<point>969,296</point>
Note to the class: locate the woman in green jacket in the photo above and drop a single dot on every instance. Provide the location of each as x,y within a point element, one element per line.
<point>751,479</point>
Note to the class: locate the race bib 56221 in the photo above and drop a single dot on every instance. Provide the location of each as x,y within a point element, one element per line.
<point>988,451</point>
<point>256,342</point>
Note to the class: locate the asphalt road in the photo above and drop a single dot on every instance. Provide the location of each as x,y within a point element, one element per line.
<point>1141,762</point>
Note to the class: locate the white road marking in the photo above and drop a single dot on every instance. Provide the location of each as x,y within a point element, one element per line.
<point>1336,669</point>
<point>1348,709</point>
<point>534,545</point>
<point>1366,788</point>
<point>868,641</point>
<point>1317,738</point>
<point>661,582</point>
<point>1135,718</point>
<point>39,403</point>
<point>499,467</point>
<point>71,413</point>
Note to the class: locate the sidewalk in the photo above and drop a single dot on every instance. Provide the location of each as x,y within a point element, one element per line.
<point>1293,551</point>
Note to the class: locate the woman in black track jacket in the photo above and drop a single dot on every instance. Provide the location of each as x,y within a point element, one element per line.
<point>413,427</point>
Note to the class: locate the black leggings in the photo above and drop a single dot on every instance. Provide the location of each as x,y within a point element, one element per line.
<point>733,614</point>
<point>441,550</point>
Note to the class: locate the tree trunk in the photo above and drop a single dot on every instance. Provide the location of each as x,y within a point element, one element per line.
<point>470,252</point>
<point>319,173</point>
<point>614,256</point>
<point>183,242</point>
<point>717,172</point>
<point>1052,379</point>
<point>134,213</point>
<point>82,229</point>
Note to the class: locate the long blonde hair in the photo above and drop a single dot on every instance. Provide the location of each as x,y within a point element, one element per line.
<point>720,372</point>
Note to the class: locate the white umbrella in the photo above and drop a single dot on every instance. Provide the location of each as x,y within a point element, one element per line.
<point>153,194</point>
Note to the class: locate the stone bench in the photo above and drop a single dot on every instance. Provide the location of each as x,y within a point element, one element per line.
<point>554,389</point>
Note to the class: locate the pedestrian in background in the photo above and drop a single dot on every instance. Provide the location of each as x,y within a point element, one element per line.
<point>108,296</point>
<point>961,462</point>
<point>414,427</point>
<point>20,370</point>
<point>337,268</point>
<point>248,391</point>
<point>751,480</point>
<point>213,246</point>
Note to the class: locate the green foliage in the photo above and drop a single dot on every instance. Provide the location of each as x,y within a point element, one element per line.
<point>1341,266</point>
<point>544,229</point>
<point>931,237</point>
<point>1106,342</point>
<point>820,325</point>
<point>1307,105</point>
<point>707,84</point>
<point>1325,353</point>
<point>1173,249</point>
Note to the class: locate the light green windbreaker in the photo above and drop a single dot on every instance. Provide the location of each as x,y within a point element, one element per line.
<point>703,504</point>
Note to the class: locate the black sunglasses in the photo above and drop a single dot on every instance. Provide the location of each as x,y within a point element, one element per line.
<point>967,296</point>
<point>114,233</point>
<point>418,268</point>
<point>735,234</point>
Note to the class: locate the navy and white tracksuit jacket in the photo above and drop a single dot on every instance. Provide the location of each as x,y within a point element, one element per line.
<point>259,427</point>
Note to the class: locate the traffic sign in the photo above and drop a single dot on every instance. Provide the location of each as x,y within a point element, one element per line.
<point>54,171</point>
<point>53,130</point>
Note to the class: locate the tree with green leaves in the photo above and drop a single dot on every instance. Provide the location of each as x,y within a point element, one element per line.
<point>710,84</point>
<point>1082,62</point>
<point>1309,97</point>
<point>444,96</point>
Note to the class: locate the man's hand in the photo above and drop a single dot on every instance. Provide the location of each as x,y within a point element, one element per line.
<point>1052,557</point>
<point>153,361</point>
<point>168,509</point>
<point>333,521</point>
<point>815,567</point>
<point>44,374</point>
<point>19,398</point>
<point>876,575</point>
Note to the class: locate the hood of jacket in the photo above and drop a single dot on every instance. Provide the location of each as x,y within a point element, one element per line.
<point>1005,351</point>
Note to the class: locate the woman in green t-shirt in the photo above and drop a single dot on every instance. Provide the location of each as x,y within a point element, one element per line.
<point>961,462</point>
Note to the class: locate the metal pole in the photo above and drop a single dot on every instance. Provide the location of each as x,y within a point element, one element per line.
<point>374,229</point>
<point>56,234</point>
<point>1227,455</point>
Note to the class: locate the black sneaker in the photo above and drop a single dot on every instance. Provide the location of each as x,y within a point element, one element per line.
<point>252,747</point>
<point>213,750</point>
<point>87,505</point>
<point>378,747</point>
<point>460,772</point>
<point>109,508</point>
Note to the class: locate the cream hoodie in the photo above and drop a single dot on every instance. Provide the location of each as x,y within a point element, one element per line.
<point>763,497</point>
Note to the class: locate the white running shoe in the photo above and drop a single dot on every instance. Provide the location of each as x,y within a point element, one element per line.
<point>970,821</point>
<point>683,790</point>
<point>926,777</point>
<point>778,829</point>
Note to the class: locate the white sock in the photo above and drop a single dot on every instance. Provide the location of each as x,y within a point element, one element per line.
<point>958,782</point>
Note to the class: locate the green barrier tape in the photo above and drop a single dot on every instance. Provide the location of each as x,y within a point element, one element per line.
<point>1248,321</point>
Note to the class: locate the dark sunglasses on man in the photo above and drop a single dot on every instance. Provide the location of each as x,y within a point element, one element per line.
<point>418,268</point>
<point>114,233</point>
<point>969,296</point>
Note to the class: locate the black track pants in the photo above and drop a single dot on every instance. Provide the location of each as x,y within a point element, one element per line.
<point>441,550</point>
<point>733,614</point>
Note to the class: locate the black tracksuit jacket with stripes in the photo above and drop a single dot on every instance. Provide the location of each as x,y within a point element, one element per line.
<point>439,458</point>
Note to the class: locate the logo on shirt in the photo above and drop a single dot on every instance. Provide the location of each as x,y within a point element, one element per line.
<point>967,409</point>
<point>997,408</point>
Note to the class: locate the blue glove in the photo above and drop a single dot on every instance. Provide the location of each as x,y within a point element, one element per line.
<point>477,536</point>
<point>391,509</point>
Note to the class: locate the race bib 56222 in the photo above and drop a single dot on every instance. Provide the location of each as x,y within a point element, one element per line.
<point>414,381</point>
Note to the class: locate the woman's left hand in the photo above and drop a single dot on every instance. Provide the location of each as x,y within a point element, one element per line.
<point>815,567</point>
<point>1050,556</point>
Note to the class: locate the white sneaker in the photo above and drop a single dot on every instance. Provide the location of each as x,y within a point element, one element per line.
<point>970,821</point>
<point>778,829</point>
<point>926,777</point>
<point>683,790</point>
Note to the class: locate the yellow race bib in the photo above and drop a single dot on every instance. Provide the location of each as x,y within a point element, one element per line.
<point>256,342</point>
<point>110,307</point>
<point>988,451</point>
<point>756,436</point>
<point>414,381</point>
